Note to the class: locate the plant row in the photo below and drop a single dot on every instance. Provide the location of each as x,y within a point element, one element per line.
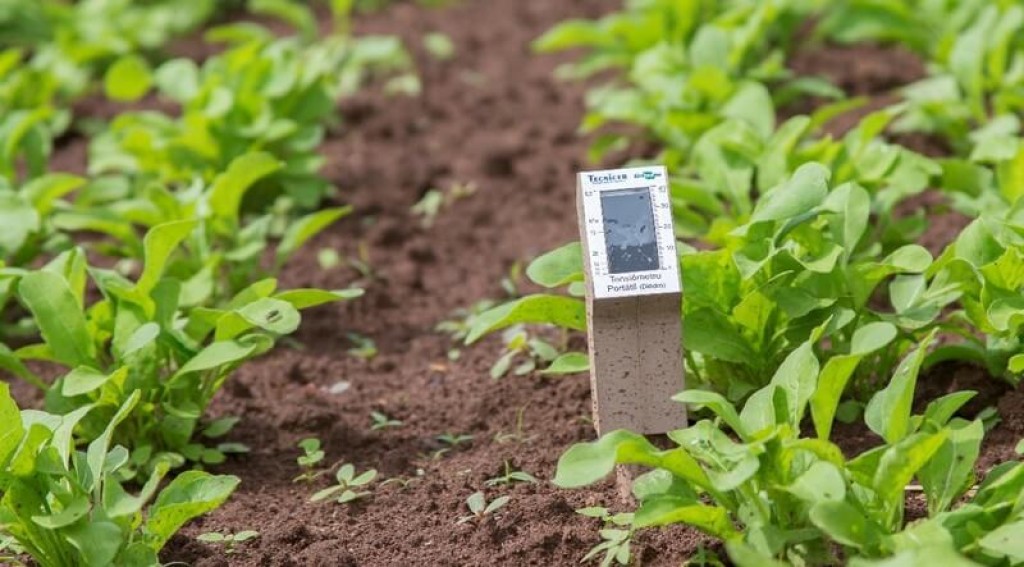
<point>145,284</point>
<point>806,294</point>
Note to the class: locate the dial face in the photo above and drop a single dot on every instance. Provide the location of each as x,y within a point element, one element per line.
<point>627,225</point>
<point>629,233</point>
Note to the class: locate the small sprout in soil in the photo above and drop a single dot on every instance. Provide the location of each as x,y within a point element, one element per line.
<point>463,320</point>
<point>518,343</point>
<point>228,541</point>
<point>361,262</point>
<point>511,476</point>
<point>453,440</point>
<point>349,486</point>
<point>519,434</point>
<point>403,482</point>
<point>382,421</point>
<point>615,542</point>
<point>328,258</point>
<point>439,46</point>
<point>480,508</point>
<point>364,347</point>
<point>510,283</point>
<point>312,456</point>
<point>428,207</point>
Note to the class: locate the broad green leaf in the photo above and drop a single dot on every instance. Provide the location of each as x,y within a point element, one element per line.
<point>159,243</point>
<point>306,298</point>
<point>128,79</point>
<point>888,412</point>
<point>716,403</point>
<point>806,189</point>
<point>798,377</point>
<point>84,379</point>
<point>822,482</point>
<point>744,555</point>
<point>219,354</point>
<point>901,461</point>
<point>950,472</point>
<point>60,320</point>
<point>1006,541</point>
<point>272,315</point>
<point>230,186</point>
<point>96,453</point>
<point>587,463</point>
<point>568,363</point>
<point>178,79</point>
<point>70,514</point>
<point>558,267</point>
<point>709,332</point>
<point>555,310</point>
<point>301,230</point>
<point>665,510</point>
<point>831,385</point>
<point>11,428</point>
<point>845,524</point>
<point>188,496</point>
<point>97,541</point>
<point>19,219</point>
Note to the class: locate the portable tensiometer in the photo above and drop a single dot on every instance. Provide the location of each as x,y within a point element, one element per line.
<point>634,299</point>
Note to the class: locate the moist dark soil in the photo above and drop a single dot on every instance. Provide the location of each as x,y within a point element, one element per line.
<point>491,121</point>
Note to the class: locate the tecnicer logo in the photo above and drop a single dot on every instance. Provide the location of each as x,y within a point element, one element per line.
<point>648,175</point>
<point>607,178</point>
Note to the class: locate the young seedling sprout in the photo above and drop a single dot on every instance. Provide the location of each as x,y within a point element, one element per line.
<point>312,456</point>
<point>511,476</point>
<point>349,487</point>
<point>478,505</point>
<point>452,440</point>
<point>382,421</point>
<point>228,541</point>
<point>616,536</point>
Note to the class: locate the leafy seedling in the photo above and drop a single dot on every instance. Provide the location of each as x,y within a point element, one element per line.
<point>428,207</point>
<point>518,343</point>
<point>312,456</point>
<point>382,421</point>
<point>349,486</point>
<point>453,440</point>
<point>511,476</point>
<point>439,46</point>
<point>519,434</point>
<point>480,508</point>
<point>616,536</point>
<point>228,541</point>
<point>364,347</point>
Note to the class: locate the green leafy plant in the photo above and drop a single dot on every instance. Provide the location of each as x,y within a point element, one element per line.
<point>480,508</point>
<point>312,456</point>
<point>262,94</point>
<point>230,542</point>
<point>137,338</point>
<point>68,507</point>
<point>349,487</point>
<point>773,495</point>
<point>616,536</point>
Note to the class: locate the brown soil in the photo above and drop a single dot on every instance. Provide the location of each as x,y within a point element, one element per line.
<point>493,118</point>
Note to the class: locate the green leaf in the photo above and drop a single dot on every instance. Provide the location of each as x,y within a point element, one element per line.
<point>558,267</point>
<point>159,243</point>
<point>223,353</point>
<point>84,379</point>
<point>806,189</point>
<point>306,298</point>
<point>19,219</point>
<point>70,514</point>
<point>823,482</point>
<point>666,510</point>
<point>568,363</point>
<point>888,412</point>
<point>178,79</point>
<point>900,462</point>
<point>950,472</point>
<point>716,403</point>
<point>97,541</point>
<point>96,454</point>
<point>60,319</point>
<point>190,495</point>
<point>709,332</point>
<point>230,186</point>
<point>301,230</point>
<point>1006,541</point>
<point>555,310</point>
<point>128,79</point>
<point>11,428</point>
<point>845,524</point>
